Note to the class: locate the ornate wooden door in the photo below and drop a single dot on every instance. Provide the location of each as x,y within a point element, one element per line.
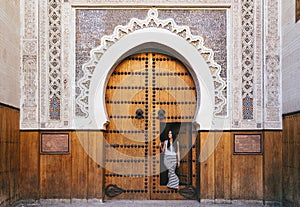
<point>146,95</point>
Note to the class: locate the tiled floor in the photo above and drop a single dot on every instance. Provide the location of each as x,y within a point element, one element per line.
<point>139,203</point>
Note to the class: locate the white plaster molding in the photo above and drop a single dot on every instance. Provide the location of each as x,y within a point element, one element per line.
<point>138,41</point>
<point>151,2</point>
<point>235,71</point>
<point>67,75</point>
<point>272,74</point>
<point>151,24</point>
<point>37,19</point>
<point>43,64</point>
<point>29,65</point>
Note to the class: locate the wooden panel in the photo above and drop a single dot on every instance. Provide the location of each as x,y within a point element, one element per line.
<point>291,160</point>
<point>29,151</point>
<point>75,175</point>
<point>228,176</point>
<point>95,165</point>
<point>55,176</point>
<point>216,155</point>
<point>247,179</point>
<point>285,154</point>
<point>297,170</point>
<point>223,165</point>
<point>150,82</point>
<point>272,165</point>
<point>247,176</point>
<point>79,165</point>
<point>207,156</point>
<point>175,94</point>
<point>9,155</point>
<point>126,149</point>
<point>225,175</point>
<point>297,161</point>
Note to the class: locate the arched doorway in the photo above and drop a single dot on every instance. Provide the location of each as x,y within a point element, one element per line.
<point>146,95</point>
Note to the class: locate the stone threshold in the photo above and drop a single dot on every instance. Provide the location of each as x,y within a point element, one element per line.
<point>148,203</point>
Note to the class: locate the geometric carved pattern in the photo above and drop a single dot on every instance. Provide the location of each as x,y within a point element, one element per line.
<point>29,72</point>
<point>29,88</point>
<point>150,22</point>
<point>272,72</point>
<point>67,63</point>
<point>156,2</point>
<point>54,59</point>
<point>37,42</point>
<point>247,58</point>
<point>44,61</point>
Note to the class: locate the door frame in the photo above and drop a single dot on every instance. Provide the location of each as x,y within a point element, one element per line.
<point>189,191</point>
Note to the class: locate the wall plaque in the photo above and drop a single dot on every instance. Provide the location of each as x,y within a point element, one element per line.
<point>54,143</point>
<point>247,144</point>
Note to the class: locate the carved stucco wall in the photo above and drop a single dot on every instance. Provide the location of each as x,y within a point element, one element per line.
<point>51,29</point>
<point>29,66</point>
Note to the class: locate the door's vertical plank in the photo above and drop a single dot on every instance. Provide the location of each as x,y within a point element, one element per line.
<point>227,164</point>
<point>173,79</point>
<point>29,165</point>
<point>95,165</point>
<point>149,82</point>
<point>207,165</point>
<point>272,153</point>
<point>93,174</point>
<point>125,133</point>
<point>79,164</point>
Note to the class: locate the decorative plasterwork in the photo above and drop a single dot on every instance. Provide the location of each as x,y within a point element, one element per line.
<point>67,75</point>
<point>55,73</point>
<point>247,58</point>
<point>54,32</point>
<point>236,73</point>
<point>272,108</point>
<point>151,21</point>
<point>35,61</point>
<point>29,67</point>
<point>152,2</point>
<point>248,70</point>
<point>258,67</point>
<point>252,69</point>
<point>43,75</point>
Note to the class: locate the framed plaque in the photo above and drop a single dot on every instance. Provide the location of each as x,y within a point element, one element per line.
<point>54,143</point>
<point>247,144</point>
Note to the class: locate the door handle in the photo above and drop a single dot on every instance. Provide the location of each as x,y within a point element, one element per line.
<point>139,114</point>
<point>161,114</point>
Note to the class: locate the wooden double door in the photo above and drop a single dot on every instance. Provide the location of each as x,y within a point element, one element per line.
<point>147,95</point>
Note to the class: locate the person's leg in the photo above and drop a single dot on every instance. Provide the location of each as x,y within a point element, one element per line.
<point>173,181</point>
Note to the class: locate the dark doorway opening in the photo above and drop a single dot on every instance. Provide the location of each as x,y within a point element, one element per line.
<point>183,131</point>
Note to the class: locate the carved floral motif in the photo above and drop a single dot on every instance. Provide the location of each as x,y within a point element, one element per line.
<point>135,24</point>
<point>48,67</point>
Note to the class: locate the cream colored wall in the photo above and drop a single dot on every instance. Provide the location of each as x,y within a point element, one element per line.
<point>10,52</point>
<point>290,58</point>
